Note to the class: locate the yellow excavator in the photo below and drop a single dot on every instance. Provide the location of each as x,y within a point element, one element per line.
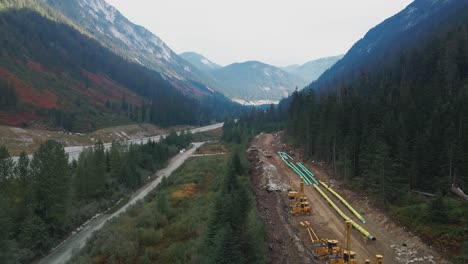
<point>299,203</point>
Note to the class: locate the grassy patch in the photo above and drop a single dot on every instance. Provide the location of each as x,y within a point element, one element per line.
<point>213,148</point>
<point>211,135</point>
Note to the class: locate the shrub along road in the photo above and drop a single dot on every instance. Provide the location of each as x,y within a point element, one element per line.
<point>69,247</point>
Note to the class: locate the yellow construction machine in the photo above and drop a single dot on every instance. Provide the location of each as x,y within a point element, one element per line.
<point>348,255</point>
<point>343,255</point>
<point>378,260</point>
<point>320,246</point>
<point>328,249</point>
<point>292,194</point>
<point>300,204</point>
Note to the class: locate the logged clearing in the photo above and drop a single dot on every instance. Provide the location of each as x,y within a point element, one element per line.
<point>289,241</point>
<point>21,139</point>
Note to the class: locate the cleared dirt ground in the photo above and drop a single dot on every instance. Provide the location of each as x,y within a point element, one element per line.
<point>271,178</point>
<point>28,140</point>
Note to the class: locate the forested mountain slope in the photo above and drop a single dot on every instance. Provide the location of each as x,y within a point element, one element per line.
<point>134,43</point>
<point>52,75</point>
<point>384,43</point>
<point>399,126</point>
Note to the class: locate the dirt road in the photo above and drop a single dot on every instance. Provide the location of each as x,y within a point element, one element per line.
<point>397,245</point>
<point>72,245</point>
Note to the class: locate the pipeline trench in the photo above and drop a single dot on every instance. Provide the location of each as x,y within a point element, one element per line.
<point>328,222</point>
<point>308,177</point>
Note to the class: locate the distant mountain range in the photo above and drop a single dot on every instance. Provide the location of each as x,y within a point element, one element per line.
<point>69,65</point>
<point>133,42</point>
<point>200,62</point>
<point>310,71</point>
<point>254,82</point>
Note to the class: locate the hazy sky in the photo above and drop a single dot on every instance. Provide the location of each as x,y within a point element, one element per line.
<point>279,32</point>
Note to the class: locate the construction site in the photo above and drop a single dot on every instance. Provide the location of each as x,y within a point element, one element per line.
<point>312,218</point>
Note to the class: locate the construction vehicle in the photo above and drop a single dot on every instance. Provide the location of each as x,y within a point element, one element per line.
<point>300,204</point>
<point>342,255</point>
<point>348,255</point>
<point>329,249</point>
<point>320,246</point>
<point>378,260</point>
<point>292,194</point>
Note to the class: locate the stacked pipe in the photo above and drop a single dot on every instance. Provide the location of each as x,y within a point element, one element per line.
<point>285,158</point>
<point>307,171</point>
<point>308,178</point>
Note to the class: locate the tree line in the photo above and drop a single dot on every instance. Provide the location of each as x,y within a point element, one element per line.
<point>235,233</point>
<point>44,198</point>
<point>398,128</point>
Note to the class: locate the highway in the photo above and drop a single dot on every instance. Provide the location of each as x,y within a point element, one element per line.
<point>74,151</point>
<point>72,245</point>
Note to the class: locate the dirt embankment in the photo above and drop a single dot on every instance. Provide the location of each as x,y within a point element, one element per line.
<point>289,241</point>
<point>285,246</point>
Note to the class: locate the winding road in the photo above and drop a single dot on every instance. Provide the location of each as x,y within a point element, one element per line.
<point>72,245</point>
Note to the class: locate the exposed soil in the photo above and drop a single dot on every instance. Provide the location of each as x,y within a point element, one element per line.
<point>284,243</point>
<point>271,178</point>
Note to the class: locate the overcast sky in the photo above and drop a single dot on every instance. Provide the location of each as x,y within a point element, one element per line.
<point>278,32</point>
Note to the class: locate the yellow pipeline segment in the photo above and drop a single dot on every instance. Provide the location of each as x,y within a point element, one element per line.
<point>345,217</point>
<point>359,216</point>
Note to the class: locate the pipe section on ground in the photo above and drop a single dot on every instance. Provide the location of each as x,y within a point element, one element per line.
<point>291,165</point>
<point>308,172</point>
<point>359,216</point>
<point>343,215</point>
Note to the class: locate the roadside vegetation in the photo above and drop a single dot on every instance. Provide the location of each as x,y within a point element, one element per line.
<point>211,135</point>
<point>203,213</point>
<point>43,199</point>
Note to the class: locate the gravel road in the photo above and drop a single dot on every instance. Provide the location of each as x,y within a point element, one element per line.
<point>69,247</point>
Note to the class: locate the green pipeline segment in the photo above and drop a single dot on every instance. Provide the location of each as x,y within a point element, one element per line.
<point>284,157</point>
<point>298,172</point>
<point>345,217</point>
<point>359,216</point>
<point>308,172</point>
